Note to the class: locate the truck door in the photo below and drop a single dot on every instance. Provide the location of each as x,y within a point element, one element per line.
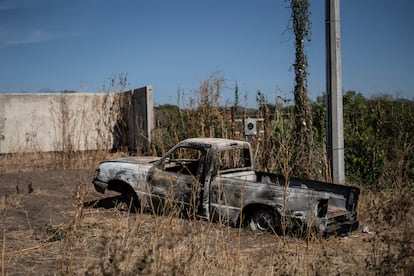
<point>175,181</point>
<point>226,193</point>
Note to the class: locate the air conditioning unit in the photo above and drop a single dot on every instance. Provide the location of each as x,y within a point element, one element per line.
<point>250,126</point>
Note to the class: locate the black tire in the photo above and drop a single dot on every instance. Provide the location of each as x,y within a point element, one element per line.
<point>263,220</point>
<point>128,202</point>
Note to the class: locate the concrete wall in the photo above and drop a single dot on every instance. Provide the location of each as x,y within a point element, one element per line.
<point>75,121</point>
<point>141,121</point>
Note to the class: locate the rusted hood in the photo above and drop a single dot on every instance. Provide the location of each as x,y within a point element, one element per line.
<point>134,160</point>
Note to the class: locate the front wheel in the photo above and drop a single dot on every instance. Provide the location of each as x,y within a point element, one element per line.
<point>128,202</point>
<point>263,220</point>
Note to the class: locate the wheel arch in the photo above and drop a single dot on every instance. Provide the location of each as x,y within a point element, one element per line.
<point>120,186</point>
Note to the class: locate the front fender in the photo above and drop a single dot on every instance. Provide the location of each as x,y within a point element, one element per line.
<point>115,172</point>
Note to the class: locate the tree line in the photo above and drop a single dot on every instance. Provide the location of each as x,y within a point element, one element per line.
<point>378,134</point>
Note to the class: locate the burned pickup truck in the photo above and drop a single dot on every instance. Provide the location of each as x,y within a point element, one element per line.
<point>215,179</point>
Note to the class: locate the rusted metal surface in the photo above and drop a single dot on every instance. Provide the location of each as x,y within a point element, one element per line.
<point>215,179</point>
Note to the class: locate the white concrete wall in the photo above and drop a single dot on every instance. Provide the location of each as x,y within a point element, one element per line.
<point>58,121</point>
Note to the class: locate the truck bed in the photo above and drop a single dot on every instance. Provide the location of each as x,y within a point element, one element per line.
<point>339,208</point>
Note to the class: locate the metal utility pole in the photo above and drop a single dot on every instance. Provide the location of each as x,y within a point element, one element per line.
<point>335,129</point>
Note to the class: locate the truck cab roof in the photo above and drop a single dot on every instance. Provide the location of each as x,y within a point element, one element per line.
<point>216,142</point>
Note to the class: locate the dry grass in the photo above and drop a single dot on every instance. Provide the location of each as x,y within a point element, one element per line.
<point>144,244</point>
<point>98,241</point>
<point>110,243</point>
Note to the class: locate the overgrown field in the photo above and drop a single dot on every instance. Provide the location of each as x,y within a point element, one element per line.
<point>53,222</point>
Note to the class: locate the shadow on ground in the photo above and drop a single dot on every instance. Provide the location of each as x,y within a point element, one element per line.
<point>106,203</point>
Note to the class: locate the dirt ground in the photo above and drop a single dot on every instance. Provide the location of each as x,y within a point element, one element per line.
<point>41,199</point>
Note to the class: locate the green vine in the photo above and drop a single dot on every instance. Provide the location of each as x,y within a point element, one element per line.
<point>304,154</point>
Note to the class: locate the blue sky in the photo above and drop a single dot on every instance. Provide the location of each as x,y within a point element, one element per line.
<point>76,45</point>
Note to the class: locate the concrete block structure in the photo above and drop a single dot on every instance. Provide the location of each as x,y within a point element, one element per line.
<point>44,122</point>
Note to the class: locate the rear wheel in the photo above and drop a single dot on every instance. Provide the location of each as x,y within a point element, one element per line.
<point>263,220</point>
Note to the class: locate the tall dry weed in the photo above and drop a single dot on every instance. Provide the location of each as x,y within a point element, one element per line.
<point>389,215</point>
